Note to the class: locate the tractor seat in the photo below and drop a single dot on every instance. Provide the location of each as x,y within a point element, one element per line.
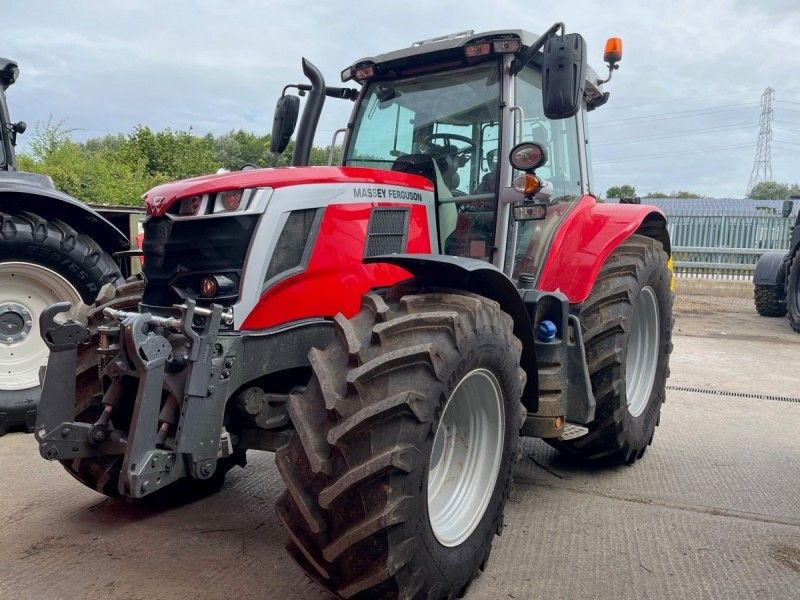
<point>424,165</point>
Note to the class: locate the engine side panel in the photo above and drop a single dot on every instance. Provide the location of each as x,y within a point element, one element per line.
<point>586,238</point>
<point>334,277</point>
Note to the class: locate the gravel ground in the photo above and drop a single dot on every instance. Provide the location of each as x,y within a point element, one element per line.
<point>712,511</point>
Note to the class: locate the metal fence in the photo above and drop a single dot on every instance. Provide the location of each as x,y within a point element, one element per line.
<point>725,246</point>
<point>723,238</point>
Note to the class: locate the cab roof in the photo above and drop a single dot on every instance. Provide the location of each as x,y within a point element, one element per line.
<point>445,49</point>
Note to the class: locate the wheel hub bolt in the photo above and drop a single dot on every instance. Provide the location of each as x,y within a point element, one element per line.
<point>16,322</point>
<point>99,435</point>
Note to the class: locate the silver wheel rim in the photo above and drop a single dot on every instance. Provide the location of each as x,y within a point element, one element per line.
<point>641,360</point>
<point>25,290</point>
<point>465,458</point>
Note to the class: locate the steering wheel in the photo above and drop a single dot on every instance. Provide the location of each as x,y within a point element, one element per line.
<point>447,137</point>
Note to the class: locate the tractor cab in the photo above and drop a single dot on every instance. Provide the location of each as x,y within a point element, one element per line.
<point>452,109</point>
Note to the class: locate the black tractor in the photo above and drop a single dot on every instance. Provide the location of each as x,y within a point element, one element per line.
<point>52,248</point>
<point>777,278</point>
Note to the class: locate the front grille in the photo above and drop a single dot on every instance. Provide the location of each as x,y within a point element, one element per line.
<point>293,243</point>
<point>178,252</point>
<point>387,232</point>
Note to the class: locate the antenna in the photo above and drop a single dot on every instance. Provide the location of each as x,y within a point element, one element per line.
<point>762,166</point>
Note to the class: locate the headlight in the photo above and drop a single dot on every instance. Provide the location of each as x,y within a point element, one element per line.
<point>217,203</point>
<point>190,206</point>
<point>527,156</point>
<point>232,201</point>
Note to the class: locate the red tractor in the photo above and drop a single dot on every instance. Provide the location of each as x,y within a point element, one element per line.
<point>390,327</point>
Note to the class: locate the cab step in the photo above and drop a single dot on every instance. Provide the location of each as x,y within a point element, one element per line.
<point>572,431</point>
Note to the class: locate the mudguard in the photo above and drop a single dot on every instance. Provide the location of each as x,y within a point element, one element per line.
<point>479,277</point>
<point>17,411</point>
<point>771,269</point>
<point>26,191</point>
<point>586,238</point>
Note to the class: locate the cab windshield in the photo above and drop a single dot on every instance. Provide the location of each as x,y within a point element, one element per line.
<point>444,126</point>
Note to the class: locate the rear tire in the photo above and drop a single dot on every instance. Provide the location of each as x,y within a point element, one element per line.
<point>770,300</point>
<point>634,280</point>
<point>41,262</point>
<point>363,515</point>
<point>793,293</point>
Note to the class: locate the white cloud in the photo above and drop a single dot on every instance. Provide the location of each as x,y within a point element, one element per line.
<point>221,65</point>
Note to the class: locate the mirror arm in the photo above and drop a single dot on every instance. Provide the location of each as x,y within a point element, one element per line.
<point>331,92</point>
<point>525,57</point>
<point>342,92</point>
<point>301,88</point>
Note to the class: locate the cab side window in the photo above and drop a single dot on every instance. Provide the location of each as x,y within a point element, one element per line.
<point>559,138</point>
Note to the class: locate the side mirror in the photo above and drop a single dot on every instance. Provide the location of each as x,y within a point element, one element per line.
<point>563,75</point>
<point>15,129</point>
<point>286,111</point>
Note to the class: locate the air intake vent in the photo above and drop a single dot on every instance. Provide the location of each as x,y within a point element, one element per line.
<point>293,244</point>
<point>388,228</point>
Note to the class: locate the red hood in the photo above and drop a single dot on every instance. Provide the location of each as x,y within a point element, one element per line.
<point>161,197</point>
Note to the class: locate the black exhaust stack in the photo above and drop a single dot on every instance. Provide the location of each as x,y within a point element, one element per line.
<point>311,113</point>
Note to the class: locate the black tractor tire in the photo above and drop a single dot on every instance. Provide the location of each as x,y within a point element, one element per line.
<point>356,470</point>
<point>793,293</point>
<point>770,300</point>
<point>615,435</point>
<point>27,237</point>
<point>102,473</point>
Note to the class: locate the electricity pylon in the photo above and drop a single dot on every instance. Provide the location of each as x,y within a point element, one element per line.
<point>762,166</point>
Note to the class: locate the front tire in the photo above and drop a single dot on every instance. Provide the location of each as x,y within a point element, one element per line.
<point>379,501</point>
<point>627,331</point>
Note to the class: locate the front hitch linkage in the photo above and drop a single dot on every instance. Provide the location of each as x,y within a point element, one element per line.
<point>143,355</point>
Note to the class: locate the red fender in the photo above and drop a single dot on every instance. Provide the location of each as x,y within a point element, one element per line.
<point>583,242</point>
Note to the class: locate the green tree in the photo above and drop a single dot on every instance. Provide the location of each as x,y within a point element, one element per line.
<point>771,190</point>
<point>686,195</point>
<point>621,191</point>
<point>174,154</point>
<point>657,195</point>
<point>238,148</point>
<point>118,169</point>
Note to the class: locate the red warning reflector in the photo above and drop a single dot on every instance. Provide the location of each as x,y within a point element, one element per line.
<point>477,50</point>
<point>365,72</point>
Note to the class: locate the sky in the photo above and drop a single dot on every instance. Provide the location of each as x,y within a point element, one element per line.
<point>104,67</point>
